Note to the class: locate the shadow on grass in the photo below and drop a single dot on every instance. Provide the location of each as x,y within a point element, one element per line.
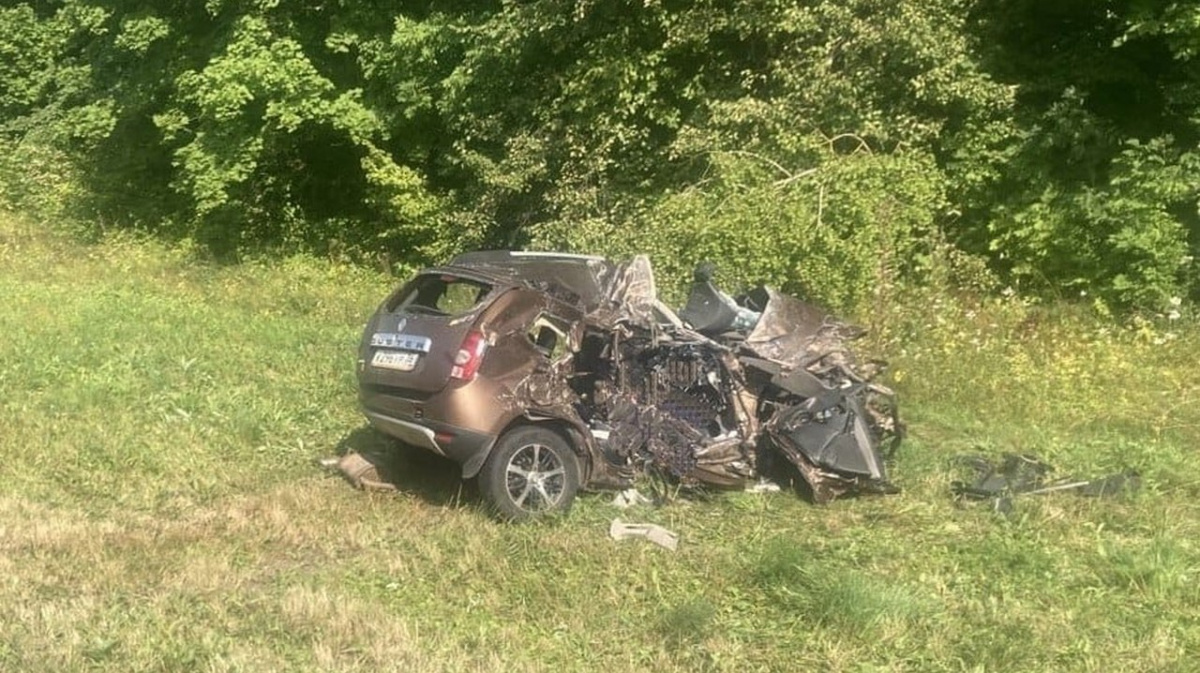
<point>409,469</point>
<point>801,579</point>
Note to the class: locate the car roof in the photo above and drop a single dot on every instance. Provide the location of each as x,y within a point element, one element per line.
<point>520,257</point>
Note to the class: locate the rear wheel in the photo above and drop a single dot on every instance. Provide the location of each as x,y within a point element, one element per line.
<point>531,472</point>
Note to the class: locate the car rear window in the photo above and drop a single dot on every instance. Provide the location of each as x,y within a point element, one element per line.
<point>440,294</point>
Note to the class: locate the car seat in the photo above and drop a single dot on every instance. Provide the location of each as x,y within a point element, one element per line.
<point>708,310</point>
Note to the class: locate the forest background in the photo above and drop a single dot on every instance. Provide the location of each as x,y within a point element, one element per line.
<point>832,148</point>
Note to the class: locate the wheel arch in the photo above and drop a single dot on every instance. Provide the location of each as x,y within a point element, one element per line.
<point>566,429</point>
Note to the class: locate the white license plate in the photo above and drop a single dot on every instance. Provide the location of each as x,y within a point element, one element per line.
<point>397,360</point>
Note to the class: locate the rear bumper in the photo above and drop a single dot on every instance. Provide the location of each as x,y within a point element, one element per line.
<point>405,431</point>
<point>465,447</point>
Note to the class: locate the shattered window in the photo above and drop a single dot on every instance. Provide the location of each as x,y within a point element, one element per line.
<point>441,295</point>
<point>548,338</point>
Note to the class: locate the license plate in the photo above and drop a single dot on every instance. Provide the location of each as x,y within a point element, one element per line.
<point>397,360</point>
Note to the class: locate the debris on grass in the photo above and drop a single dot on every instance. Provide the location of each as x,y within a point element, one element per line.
<point>631,497</point>
<point>1024,474</point>
<point>363,471</point>
<point>619,530</point>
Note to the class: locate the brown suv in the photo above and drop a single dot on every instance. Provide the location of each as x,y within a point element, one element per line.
<point>542,372</point>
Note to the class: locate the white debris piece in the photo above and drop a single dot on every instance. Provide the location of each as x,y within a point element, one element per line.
<point>763,486</point>
<point>660,536</point>
<point>630,497</point>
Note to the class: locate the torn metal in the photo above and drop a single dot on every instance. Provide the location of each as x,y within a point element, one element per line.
<point>361,470</point>
<point>702,396</point>
<point>1023,474</point>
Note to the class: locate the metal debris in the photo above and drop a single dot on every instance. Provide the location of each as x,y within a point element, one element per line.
<point>764,486</point>
<point>1022,474</point>
<point>360,470</point>
<point>702,396</point>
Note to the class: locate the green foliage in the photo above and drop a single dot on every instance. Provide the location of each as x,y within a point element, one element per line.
<point>1123,240</point>
<point>1179,22</point>
<point>414,217</point>
<point>262,103</point>
<point>834,232</point>
<point>1055,140</point>
<point>219,122</point>
<point>623,104</point>
<point>1096,189</point>
<point>26,56</point>
<point>37,178</point>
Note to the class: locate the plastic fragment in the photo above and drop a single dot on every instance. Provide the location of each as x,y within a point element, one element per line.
<point>619,530</point>
<point>630,497</point>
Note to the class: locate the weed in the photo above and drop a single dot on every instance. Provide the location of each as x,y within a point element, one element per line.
<point>688,622</point>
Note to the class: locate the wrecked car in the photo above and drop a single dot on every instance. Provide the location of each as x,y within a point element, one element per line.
<point>544,373</point>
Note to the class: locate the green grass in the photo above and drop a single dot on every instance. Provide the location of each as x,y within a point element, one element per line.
<point>160,509</point>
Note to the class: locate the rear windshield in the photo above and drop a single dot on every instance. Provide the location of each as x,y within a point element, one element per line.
<point>440,295</point>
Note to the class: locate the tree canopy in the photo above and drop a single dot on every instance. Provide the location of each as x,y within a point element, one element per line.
<point>817,144</point>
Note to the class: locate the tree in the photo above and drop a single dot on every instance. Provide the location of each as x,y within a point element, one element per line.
<point>1098,188</point>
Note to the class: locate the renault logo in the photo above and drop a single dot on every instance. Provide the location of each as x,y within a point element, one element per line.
<point>400,325</point>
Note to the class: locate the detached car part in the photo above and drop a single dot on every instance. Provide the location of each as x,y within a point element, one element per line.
<point>1021,474</point>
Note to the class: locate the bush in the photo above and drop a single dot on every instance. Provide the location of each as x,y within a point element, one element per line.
<point>832,233</point>
<point>36,179</point>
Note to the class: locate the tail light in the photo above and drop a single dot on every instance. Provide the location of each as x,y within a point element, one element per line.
<point>469,356</point>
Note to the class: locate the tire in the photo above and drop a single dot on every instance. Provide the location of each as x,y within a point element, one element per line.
<point>531,472</point>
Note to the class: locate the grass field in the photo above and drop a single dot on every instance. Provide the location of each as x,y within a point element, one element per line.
<point>160,509</point>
